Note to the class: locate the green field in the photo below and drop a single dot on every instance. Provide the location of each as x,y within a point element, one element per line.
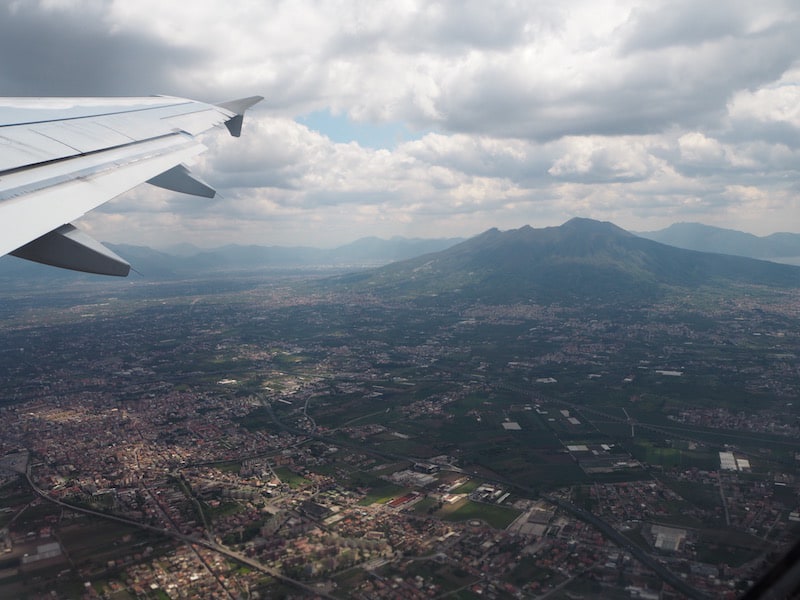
<point>498,517</point>
<point>731,547</point>
<point>381,494</point>
<point>671,457</point>
<point>425,506</point>
<point>292,479</point>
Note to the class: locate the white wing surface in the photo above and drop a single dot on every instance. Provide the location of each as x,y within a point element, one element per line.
<point>62,157</point>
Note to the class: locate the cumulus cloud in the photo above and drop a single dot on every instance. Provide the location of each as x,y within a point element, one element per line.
<point>640,112</point>
<point>598,160</point>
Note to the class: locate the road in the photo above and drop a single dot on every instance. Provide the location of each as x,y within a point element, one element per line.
<point>188,539</point>
<point>604,527</point>
<point>626,544</point>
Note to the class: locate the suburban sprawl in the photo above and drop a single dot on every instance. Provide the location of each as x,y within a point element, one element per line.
<point>282,437</point>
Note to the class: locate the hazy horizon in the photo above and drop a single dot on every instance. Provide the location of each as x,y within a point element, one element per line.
<point>266,243</point>
<point>441,120</point>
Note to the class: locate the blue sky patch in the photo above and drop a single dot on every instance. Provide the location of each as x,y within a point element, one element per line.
<point>341,129</point>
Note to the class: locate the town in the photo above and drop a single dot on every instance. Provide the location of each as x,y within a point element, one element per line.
<point>270,441</point>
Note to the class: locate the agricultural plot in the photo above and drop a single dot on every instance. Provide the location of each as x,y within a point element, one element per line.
<point>498,517</point>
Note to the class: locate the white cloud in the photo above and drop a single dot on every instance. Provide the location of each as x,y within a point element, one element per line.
<point>596,159</point>
<point>639,112</point>
<point>778,103</point>
<point>697,149</point>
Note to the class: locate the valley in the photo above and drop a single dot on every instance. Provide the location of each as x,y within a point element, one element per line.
<point>301,436</point>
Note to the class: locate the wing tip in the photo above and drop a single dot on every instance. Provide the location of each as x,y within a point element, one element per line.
<point>237,107</point>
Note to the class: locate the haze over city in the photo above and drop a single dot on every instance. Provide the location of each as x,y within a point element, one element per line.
<point>563,412</point>
<point>500,390</point>
<point>443,119</point>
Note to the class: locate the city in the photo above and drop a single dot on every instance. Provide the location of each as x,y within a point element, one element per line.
<point>260,440</point>
<point>490,300</point>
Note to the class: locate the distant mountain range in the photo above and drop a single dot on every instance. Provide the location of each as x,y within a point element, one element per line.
<point>189,261</point>
<point>779,247</point>
<point>581,260</point>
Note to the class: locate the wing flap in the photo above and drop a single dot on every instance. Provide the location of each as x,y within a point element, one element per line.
<point>69,248</point>
<point>179,179</point>
<point>21,146</point>
<point>83,135</point>
<point>53,194</point>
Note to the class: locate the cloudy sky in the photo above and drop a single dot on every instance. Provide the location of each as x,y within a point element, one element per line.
<point>441,118</point>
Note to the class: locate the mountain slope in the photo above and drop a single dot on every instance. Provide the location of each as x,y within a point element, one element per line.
<point>582,260</point>
<point>188,261</point>
<point>704,238</point>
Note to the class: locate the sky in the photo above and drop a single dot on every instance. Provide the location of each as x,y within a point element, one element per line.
<point>440,118</point>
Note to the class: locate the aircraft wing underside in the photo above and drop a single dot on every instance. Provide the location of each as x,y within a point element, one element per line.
<point>62,157</point>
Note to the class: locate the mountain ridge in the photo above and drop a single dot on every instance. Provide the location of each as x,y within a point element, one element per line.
<point>185,260</point>
<point>707,238</point>
<point>581,260</point>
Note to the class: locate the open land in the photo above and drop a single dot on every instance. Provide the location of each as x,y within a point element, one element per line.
<point>269,439</point>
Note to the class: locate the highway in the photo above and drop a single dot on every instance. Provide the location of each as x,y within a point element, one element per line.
<point>626,544</point>
<point>604,527</point>
<point>188,539</point>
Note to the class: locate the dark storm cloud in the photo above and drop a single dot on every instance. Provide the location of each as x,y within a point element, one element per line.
<point>54,52</point>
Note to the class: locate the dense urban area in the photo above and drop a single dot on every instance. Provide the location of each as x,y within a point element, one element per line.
<point>248,439</point>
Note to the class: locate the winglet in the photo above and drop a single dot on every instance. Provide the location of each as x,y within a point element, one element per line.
<point>234,124</point>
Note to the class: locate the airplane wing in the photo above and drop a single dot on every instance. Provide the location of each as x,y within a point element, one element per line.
<point>62,157</point>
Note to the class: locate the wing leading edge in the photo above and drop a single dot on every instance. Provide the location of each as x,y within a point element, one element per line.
<point>62,157</point>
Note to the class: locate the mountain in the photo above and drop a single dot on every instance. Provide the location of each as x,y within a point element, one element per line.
<point>384,251</point>
<point>581,260</point>
<point>181,249</point>
<point>184,260</point>
<point>780,247</point>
